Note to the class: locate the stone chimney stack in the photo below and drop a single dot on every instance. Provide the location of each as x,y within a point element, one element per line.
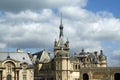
<point>19,50</point>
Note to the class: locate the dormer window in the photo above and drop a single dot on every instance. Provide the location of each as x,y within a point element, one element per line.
<point>9,68</point>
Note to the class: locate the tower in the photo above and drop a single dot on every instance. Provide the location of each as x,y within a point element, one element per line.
<point>61,56</point>
<point>60,44</point>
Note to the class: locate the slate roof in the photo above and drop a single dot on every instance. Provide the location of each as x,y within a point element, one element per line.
<point>41,56</point>
<point>38,54</point>
<point>18,56</point>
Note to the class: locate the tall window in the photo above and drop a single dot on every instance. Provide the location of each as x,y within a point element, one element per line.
<point>24,77</point>
<point>117,76</point>
<point>9,77</point>
<point>76,66</point>
<point>24,69</point>
<point>0,75</point>
<point>85,77</point>
<point>9,68</point>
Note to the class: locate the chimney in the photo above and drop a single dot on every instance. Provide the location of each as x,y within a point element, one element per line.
<point>19,50</point>
<point>48,53</point>
<point>95,53</point>
<point>101,52</point>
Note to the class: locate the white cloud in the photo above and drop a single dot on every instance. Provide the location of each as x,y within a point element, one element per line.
<point>38,28</point>
<point>114,63</point>
<point>117,52</point>
<point>114,58</point>
<point>76,13</point>
<point>88,45</point>
<point>20,5</point>
<point>104,29</point>
<point>43,22</point>
<point>2,46</point>
<point>22,31</point>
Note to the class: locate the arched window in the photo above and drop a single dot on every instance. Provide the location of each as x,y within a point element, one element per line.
<point>117,76</point>
<point>9,65</point>
<point>0,75</point>
<point>85,77</point>
<point>76,66</point>
<point>9,68</point>
<point>24,77</point>
<point>79,67</point>
<point>9,77</point>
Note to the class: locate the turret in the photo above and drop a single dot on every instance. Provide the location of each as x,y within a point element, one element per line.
<point>61,56</point>
<point>61,44</point>
<point>102,59</point>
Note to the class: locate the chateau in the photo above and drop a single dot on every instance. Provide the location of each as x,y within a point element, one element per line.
<point>41,66</point>
<point>16,66</point>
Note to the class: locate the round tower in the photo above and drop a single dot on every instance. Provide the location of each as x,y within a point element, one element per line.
<point>61,56</point>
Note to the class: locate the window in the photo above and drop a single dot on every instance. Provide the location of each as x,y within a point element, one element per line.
<point>85,77</point>
<point>79,67</point>
<point>76,79</point>
<point>9,68</point>
<point>24,69</point>
<point>117,76</point>
<point>76,66</point>
<point>9,77</point>
<point>24,77</point>
<point>0,75</point>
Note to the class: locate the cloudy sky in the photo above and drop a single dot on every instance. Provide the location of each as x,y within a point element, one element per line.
<point>34,24</point>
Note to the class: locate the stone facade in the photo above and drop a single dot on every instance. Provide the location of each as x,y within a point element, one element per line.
<point>16,66</point>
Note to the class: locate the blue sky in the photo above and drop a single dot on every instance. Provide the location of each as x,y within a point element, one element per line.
<point>34,25</point>
<point>112,6</point>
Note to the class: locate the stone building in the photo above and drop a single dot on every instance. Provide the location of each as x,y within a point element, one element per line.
<point>80,66</point>
<point>61,66</point>
<point>16,66</point>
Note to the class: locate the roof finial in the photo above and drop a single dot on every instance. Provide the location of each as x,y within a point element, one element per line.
<point>61,27</point>
<point>61,18</point>
<point>8,56</point>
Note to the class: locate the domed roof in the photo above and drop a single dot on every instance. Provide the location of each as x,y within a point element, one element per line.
<point>102,56</point>
<point>62,53</point>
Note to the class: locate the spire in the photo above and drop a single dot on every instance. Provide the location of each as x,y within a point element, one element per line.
<point>61,19</point>
<point>60,44</point>
<point>8,55</point>
<point>61,28</point>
